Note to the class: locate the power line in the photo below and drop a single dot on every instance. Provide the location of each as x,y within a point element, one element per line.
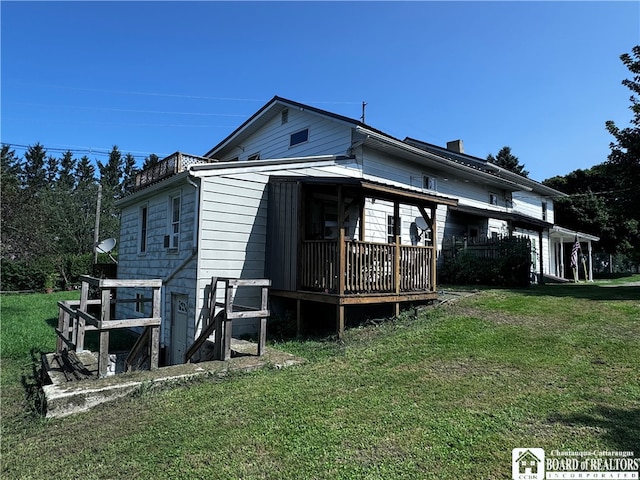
<point>78,150</point>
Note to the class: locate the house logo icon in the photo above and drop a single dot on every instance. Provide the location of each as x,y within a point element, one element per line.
<point>527,464</point>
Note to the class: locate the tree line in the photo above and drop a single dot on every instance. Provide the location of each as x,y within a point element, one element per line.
<point>603,200</point>
<point>49,212</point>
<point>48,203</point>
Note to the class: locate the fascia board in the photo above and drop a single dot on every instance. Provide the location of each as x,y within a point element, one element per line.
<point>222,168</point>
<point>152,189</point>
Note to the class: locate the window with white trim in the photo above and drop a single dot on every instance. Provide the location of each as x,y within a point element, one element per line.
<point>299,137</point>
<point>391,230</point>
<point>429,183</point>
<point>174,228</point>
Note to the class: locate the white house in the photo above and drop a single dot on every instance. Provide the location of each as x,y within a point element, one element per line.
<point>323,205</point>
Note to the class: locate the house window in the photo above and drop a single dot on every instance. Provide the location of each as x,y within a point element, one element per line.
<point>285,116</point>
<point>143,229</point>
<point>174,229</point>
<point>493,199</point>
<point>508,199</point>
<point>429,183</point>
<point>544,211</point>
<point>255,156</point>
<point>391,230</point>
<point>299,137</point>
<point>139,303</point>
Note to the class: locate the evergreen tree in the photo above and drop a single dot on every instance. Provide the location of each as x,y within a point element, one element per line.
<point>85,172</point>
<point>129,174</point>
<point>150,161</point>
<point>66,177</point>
<point>33,169</point>
<point>10,201</point>
<point>111,172</point>
<point>507,160</point>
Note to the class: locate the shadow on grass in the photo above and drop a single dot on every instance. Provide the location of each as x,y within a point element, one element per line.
<point>584,291</point>
<point>35,400</point>
<point>621,428</point>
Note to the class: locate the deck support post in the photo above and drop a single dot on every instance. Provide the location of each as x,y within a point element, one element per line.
<point>79,324</point>
<point>105,316</point>
<point>434,252</point>
<point>340,320</point>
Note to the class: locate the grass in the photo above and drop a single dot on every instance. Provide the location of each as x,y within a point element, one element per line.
<point>444,394</point>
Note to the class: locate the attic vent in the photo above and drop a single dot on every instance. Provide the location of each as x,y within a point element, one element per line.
<point>285,116</point>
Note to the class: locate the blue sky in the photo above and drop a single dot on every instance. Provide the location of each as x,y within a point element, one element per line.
<point>158,77</point>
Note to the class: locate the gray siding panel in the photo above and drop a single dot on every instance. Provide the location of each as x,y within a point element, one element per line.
<point>283,231</point>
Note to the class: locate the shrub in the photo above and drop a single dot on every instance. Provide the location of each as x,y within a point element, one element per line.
<point>503,262</point>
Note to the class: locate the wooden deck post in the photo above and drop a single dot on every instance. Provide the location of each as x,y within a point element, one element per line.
<point>340,320</point>
<point>227,329</point>
<point>62,329</point>
<point>262,340</point>
<point>155,331</point>
<point>105,316</point>
<point>298,317</point>
<point>79,322</point>
<point>342,260</point>
<point>434,251</point>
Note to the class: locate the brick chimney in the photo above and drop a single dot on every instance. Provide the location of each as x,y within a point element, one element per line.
<point>455,146</point>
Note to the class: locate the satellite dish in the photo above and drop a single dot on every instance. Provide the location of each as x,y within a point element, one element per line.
<point>106,246</point>
<point>421,223</point>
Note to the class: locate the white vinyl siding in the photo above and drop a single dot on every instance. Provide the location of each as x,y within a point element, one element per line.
<point>273,140</point>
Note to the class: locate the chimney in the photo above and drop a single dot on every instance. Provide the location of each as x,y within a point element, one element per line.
<point>455,146</point>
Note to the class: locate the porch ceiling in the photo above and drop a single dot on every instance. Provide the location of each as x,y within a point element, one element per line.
<point>517,218</point>
<point>374,189</point>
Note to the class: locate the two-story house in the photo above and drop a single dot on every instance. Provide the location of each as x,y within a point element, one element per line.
<point>334,212</point>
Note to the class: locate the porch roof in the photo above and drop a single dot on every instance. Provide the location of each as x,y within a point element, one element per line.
<point>375,189</point>
<point>569,235</point>
<point>517,218</point>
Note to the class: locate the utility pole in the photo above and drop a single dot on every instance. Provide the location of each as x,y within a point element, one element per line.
<point>96,232</point>
<point>364,104</point>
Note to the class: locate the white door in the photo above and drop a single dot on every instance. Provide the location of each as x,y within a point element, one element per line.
<point>179,316</point>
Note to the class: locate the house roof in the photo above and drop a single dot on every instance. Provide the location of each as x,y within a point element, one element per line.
<point>484,165</point>
<point>466,166</point>
<point>268,111</point>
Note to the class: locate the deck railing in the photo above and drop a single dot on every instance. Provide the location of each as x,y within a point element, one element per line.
<point>368,267</point>
<point>167,167</point>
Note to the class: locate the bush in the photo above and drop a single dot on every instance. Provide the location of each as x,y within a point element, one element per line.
<point>508,265</point>
<point>45,272</point>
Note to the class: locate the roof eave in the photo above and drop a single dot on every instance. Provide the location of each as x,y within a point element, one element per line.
<point>442,161</point>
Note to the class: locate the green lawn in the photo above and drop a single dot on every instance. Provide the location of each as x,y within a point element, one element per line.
<point>446,394</point>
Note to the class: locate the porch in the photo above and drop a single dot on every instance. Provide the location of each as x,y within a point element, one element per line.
<point>325,248</point>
